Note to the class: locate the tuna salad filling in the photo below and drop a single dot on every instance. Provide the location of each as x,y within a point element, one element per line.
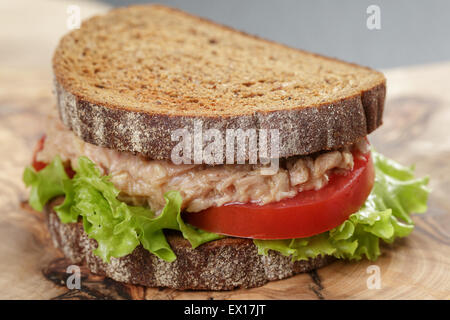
<point>144,182</point>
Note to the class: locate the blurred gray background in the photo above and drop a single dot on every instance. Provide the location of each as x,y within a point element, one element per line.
<point>412,31</point>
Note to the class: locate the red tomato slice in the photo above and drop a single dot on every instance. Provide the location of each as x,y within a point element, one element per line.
<point>307,214</point>
<point>38,165</point>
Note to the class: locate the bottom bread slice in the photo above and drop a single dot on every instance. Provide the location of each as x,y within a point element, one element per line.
<point>223,264</point>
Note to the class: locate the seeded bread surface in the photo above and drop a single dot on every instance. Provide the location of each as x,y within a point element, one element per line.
<point>126,80</point>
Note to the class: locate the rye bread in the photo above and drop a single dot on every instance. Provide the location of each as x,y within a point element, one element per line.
<point>223,264</point>
<point>126,80</point>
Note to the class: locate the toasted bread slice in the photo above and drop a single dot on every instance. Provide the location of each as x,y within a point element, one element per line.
<point>127,79</point>
<point>223,264</point>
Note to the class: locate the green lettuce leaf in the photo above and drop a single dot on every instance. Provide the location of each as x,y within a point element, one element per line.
<point>385,215</point>
<point>117,227</point>
<point>46,184</point>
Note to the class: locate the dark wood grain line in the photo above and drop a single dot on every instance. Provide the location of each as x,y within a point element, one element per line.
<point>317,287</point>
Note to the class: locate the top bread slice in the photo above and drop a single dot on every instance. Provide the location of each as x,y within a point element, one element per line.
<point>127,79</point>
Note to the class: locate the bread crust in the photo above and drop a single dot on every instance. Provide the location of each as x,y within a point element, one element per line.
<point>223,264</point>
<point>303,130</point>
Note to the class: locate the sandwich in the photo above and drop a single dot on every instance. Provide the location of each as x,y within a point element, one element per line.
<point>189,155</point>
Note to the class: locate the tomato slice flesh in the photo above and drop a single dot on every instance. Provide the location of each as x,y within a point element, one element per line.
<point>307,214</point>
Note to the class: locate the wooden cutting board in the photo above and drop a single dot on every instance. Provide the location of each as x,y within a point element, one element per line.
<point>416,130</point>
